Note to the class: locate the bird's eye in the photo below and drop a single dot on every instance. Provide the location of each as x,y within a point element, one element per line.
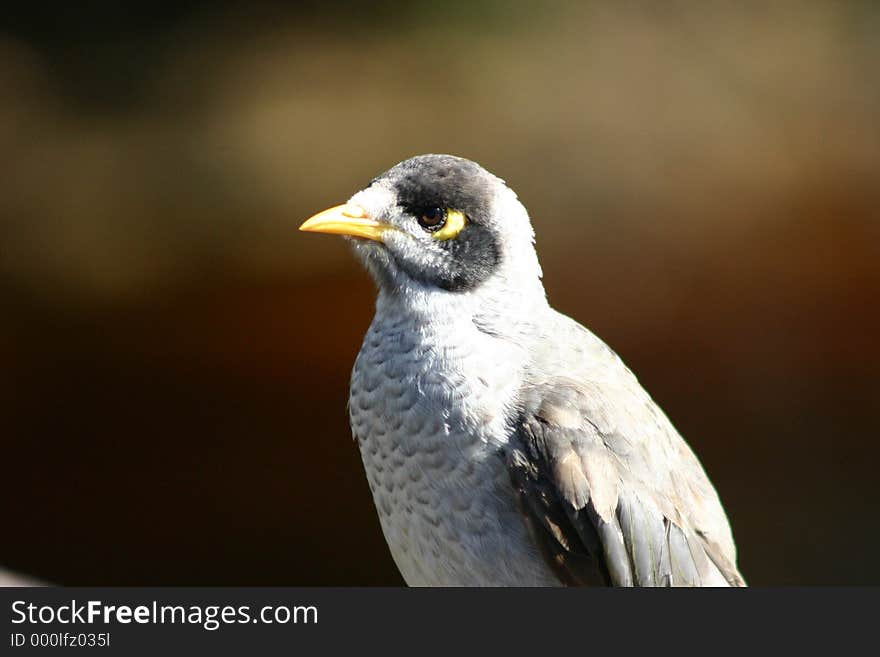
<point>432,219</point>
<point>442,224</point>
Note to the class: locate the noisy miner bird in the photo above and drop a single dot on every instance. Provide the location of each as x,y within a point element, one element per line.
<point>505,444</point>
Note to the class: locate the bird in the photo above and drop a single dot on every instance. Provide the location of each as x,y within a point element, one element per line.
<point>504,443</point>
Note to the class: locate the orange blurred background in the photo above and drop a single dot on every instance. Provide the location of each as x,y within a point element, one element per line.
<point>703,178</point>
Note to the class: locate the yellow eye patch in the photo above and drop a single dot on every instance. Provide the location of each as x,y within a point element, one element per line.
<point>455,223</point>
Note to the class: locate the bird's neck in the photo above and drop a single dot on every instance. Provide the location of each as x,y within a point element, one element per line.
<point>504,308</point>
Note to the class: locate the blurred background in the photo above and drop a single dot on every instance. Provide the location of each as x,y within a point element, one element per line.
<point>704,181</point>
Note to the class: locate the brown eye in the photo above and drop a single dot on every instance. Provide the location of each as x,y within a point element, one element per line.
<point>432,219</point>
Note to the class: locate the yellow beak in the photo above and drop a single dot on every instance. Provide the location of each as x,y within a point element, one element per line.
<point>346,220</point>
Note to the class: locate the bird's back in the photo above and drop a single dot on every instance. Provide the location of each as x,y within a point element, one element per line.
<point>588,405</point>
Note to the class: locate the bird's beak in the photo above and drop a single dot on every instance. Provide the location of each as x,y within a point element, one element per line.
<point>346,219</point>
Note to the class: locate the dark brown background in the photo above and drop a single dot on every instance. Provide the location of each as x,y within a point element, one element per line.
<point>703,178</point>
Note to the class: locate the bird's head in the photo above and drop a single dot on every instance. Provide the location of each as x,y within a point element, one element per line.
<point>439,224</point>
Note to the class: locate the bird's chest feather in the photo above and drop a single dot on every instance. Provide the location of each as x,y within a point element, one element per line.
<point>429,414</point>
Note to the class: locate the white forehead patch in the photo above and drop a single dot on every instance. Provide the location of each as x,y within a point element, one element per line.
<point>377,200</point>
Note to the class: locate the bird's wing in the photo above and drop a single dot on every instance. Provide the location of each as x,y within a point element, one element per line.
<point>610,490</point>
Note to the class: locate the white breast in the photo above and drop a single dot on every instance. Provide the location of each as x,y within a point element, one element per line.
<point>428,408</point>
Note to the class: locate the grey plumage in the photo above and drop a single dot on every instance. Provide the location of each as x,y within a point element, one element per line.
<point>503,442</point>
<point>618,469</point>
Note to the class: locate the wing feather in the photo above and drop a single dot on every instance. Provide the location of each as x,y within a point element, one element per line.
<point>631,516</point>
